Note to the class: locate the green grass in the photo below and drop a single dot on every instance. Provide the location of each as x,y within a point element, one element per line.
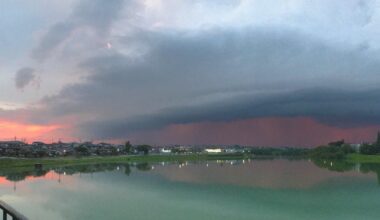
<point>21,162</point>
<point>360,158</point>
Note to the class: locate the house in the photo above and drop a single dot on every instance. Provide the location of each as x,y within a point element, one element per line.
<point>38,144</point>
<point>11,144</point>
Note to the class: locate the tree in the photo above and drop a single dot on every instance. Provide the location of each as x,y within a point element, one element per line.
<point>337,143</point>
<point>128,147</point>
<point>82,150</point>
<point>144,148</point>
<point>327,152</point>
<point>347,149</point>
<point>369,149</point>
<point>113,150</point>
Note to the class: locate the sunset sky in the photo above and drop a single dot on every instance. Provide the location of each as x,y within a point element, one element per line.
<point>252,72</point>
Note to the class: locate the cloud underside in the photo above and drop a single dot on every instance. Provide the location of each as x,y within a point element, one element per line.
<point>221,76</point>
<point>332,107</point>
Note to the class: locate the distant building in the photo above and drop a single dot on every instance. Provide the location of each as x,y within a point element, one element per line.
<point>213,150</point>
<point>11,143</point>
<point>165,151</point>
<point>38,143</point>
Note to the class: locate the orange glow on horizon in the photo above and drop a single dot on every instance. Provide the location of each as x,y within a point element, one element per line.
<point>10,129</point>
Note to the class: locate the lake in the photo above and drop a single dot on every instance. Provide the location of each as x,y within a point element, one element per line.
<point>245,189</point>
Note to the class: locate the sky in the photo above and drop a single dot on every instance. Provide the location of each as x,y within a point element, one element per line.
<point>251,72</point>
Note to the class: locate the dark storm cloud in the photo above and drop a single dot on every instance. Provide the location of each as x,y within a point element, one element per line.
<point>220,76</point>
<point>24,77</point>
<point>96,14</point>
<point>334,107</point>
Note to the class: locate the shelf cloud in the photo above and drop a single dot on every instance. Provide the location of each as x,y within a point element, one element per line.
<point>117,69</point>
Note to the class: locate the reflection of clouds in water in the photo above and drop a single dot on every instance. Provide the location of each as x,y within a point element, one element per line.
<point>256,173</point>
<point>23,203</point>
<point>111,194</point>
<point>5,182</point>
<point>45,192</point>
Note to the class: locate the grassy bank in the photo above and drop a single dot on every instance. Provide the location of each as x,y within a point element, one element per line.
<point>360,158</point>
<point>6,163</point>
<point>24,162</point>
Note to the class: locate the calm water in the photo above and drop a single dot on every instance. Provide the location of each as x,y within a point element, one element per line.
<point>259,189</point>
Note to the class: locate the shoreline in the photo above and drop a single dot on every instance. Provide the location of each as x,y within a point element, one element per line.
<point>7,162</point>
<point>59,161</point>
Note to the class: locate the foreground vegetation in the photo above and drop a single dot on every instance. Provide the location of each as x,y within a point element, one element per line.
<point>361,158</point>
<point>339,150</point>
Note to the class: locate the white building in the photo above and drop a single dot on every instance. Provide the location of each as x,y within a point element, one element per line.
<point>213,150</point>
<point>165,151</point>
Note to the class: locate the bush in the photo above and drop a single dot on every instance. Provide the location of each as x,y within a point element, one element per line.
<point>370,149</point>
<point>331,151</point>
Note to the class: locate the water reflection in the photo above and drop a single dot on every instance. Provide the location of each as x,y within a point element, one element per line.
<point>259,173</point>
<point>336,165</point>
<point>19,174</point>
<point>344,166</point>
